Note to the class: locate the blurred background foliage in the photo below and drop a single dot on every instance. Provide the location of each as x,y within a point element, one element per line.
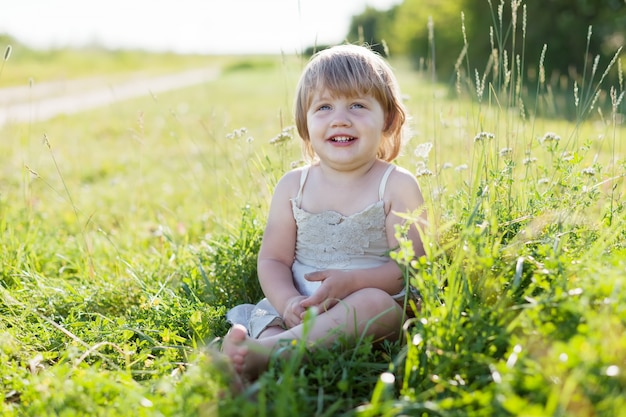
<point>513,51</point>
<point>562,25</point>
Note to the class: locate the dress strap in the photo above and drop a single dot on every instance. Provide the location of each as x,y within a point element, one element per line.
<point>303,175</point>
<point>383,181</point>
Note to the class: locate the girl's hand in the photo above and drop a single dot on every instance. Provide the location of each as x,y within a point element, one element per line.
<point>334,287</point>
<point>294,311</point>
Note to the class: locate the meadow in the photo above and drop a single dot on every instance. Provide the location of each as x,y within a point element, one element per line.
<point>128,231</point>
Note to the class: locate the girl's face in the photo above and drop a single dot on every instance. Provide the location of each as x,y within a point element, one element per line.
<point>345,132</point>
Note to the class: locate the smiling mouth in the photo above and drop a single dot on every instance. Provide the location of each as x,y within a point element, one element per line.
<point>342,139</point>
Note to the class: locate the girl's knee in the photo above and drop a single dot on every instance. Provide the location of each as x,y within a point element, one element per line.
<point>375,299</point>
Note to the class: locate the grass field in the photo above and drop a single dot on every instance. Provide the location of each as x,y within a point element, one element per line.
<point>128,231</point>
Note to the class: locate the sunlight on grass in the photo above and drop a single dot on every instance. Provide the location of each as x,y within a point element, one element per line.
<point>128,231</point>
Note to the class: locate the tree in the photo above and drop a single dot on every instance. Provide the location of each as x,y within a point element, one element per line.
<point>562,25</point>
<point>372,27</point>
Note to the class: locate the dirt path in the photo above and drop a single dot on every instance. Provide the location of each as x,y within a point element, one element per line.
<point>40,102</point>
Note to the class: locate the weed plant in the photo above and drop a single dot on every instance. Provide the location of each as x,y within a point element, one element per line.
<point>127,232</point>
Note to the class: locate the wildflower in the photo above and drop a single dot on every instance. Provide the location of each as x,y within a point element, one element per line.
<point>285,135</point>
<point>529,160</point>
<point>461,167</point>
<point>438,192</point>
<point>543,181</point>
<point>423,149</point>
<point>567,156</point>
<point>237,133</point>
<point>550,137</point>
<point>505,151</point>
<point>446,165</point>
<point>480,137</point>
<point>296,164</point>
<point>612,370</point>
<point>421,170</point>
<point>589,171</point>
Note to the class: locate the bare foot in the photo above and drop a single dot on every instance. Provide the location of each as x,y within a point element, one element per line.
<point>235,348</point>
<point>248,356</point>
<point>223,364</point>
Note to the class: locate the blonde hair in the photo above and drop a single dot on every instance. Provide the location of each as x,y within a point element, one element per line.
<point>349,70</point>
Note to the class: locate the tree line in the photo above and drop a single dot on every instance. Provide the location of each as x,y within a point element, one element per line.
<point>560,40</point>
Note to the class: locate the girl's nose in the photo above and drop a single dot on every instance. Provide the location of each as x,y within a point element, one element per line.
<point>340,118</point>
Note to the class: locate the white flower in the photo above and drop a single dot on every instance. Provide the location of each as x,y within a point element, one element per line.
<point>589,171</point>
<point>423,149</point>
<point>438,192</point>
<point>483,136</point>
<point>461,167</point>
<point>506,151</point>
<point>550,137</point>
<point>296,164</point>
<point>423,172</point>
<point>285,135</point>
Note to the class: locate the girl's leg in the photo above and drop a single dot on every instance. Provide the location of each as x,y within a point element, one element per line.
<point>271,331</point>
<point>370,311</point>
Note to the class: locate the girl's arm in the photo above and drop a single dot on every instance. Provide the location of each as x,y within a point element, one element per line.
<point>405,197</point>
<point>278,246</point>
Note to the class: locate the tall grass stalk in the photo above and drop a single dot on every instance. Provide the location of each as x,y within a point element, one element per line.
<point>75,209</point>
<point>512,248</point>
<point>7,55</point>
<point>522,282</point>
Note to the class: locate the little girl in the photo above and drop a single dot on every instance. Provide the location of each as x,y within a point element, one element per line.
<point>332,224</point>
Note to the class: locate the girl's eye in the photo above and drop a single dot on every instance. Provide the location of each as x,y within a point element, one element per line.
<point>324,107</point>
<point>358,106</point>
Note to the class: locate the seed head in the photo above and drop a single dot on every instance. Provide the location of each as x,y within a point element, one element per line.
<point>542,69</point>
<point>7,52</point>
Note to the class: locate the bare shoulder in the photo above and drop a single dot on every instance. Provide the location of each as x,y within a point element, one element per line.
<point>289,184</point>
<point>403,190</point>
<point>402,180</point>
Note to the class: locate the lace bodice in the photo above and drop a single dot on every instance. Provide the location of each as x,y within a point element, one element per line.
<point>330,240</point>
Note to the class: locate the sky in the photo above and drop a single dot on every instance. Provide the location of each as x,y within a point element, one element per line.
<point>183,26</point>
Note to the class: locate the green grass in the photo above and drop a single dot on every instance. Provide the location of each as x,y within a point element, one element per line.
<point>128,231</point>
<point>25,66</point>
